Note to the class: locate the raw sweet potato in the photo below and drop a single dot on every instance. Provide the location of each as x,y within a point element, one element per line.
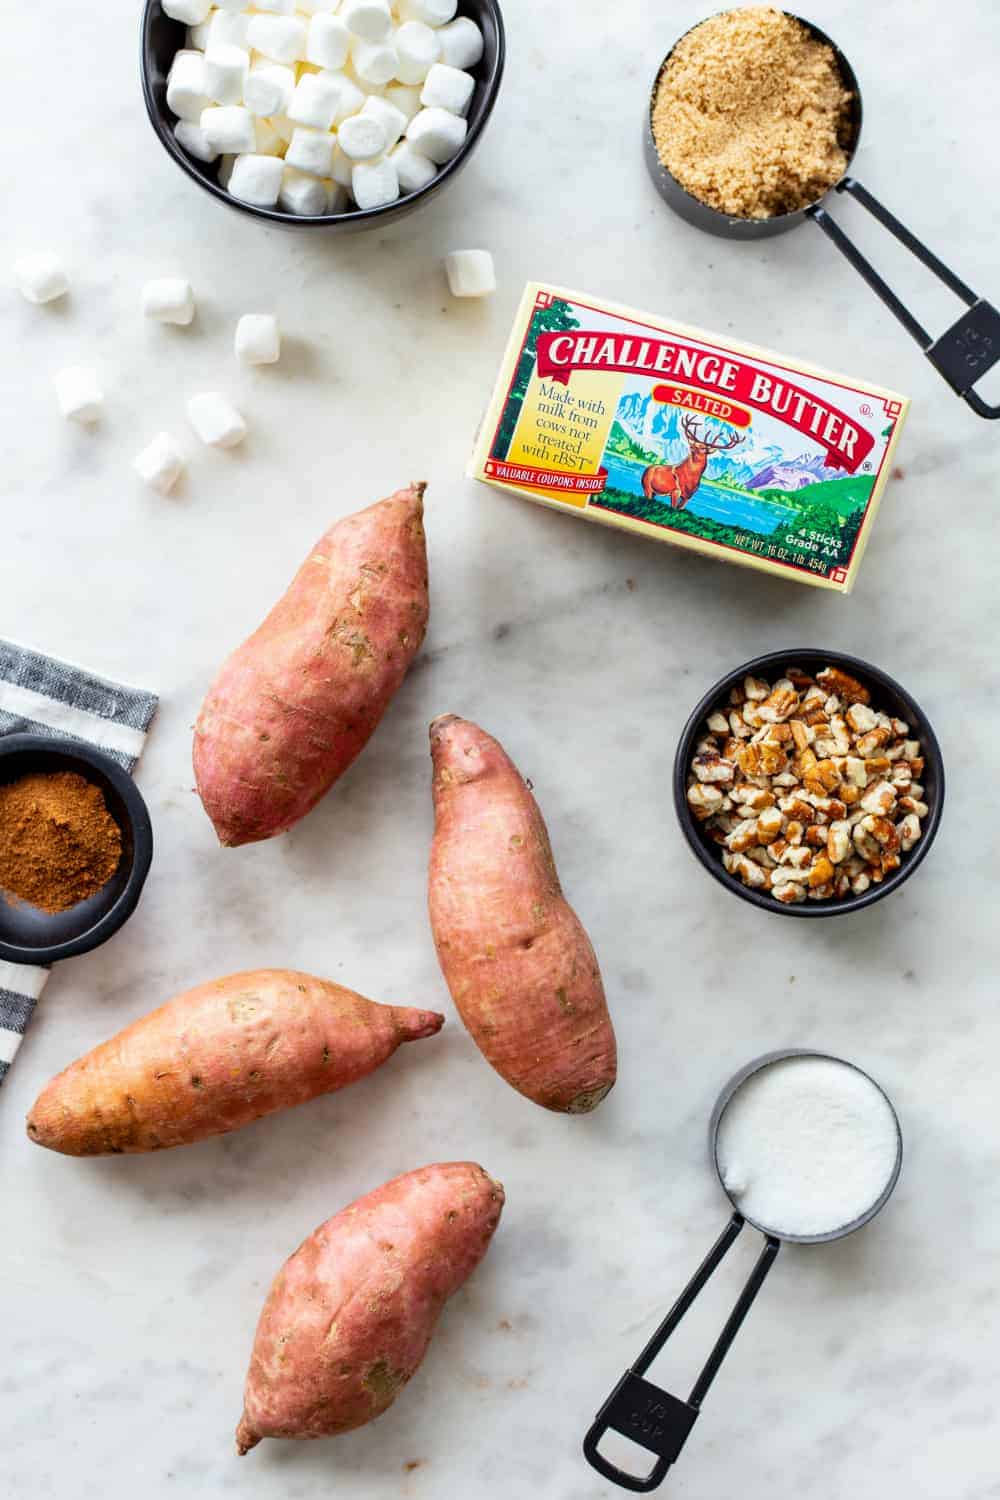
<point>298,702</point>
<point>350,1315</point>
<point>519,965</point>
<point>217,1058</point>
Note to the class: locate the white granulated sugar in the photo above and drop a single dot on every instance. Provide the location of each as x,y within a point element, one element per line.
<point>806,1146</point>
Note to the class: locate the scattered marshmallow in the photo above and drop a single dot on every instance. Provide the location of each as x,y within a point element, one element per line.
<point>328,43</point>
<point>256,179</point>
<point>375,183</point>
<point>437,133</point>
<point>351,99</point>
<point>362,137</point>
<point>169,300</point>
<point>448,88</point>
<point>226,70</point>
<point>282,38</point>
<point>418,49</point>
<point>216,420</point>
<point>404,98</point>
<point>258,337</point>
<point>229,128</point>
<point>471,273</point>
<point>192,12</point>
<point>160,465</point>
<point>369,19</point>
<point>227,29</point>
<point>41,278</point>
<point>375,63</point>
<point>431,12</point>
<point>269,89</point>
<point>461,43</point>
<point>306,197</point>
<point>413,170</point>
<point>392,120</point>
<point>316,101</point>
<point>187,90</point>
<point>79,394</point>
<point>311,151</point>
<point>194,141</point>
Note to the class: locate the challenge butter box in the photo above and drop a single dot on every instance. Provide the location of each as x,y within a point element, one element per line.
<point>732,451</point>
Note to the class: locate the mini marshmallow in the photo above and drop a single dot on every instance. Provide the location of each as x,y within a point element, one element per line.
<point>405,99</point>
<point>369,19</point>
<point>461,43</point>
<point>269,89</point>
<point>187,90</point>
<point>362,137</point>
<point>328,43</point>
<point>193,140</point>
<point>431,12</point>
<point>276,7</point>
<point>310,151</point>
<point>392,120</point>
<point>437,133</point>
<point>375,183</point>
<point>197,36</point>
<point>258,337</point>
<point>269,142</point>
<point>316,100</point>
<point>231,5</point>
<point>418,49</point>
<point>352,100</point>
<point>282,38</point>
<point>448,88</point>
<point>317,7</point>
<point>256,179</point>
<point>79,394</point>
<point>192,12</point>
<point>230,128</point>
<point>375,63</point>
<point>471,273</point>
<point>413,170</point>
<point>169,300</point>
<point>341,169</point>
<point>226,70</point>
<point>306,197</point>
<point>41,278</point>
<point>227,30</point>
<point>216,420</point>
<point>160,465</point>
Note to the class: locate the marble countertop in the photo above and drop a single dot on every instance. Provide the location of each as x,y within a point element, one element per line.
<point>131,1287</point>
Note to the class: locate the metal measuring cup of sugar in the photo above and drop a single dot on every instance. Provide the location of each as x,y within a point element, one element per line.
<point>963,354</point>
<point>653,1418</point>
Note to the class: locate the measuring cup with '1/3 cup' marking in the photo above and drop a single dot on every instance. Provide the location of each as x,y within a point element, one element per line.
<point>962,355</point>
<point>652,1418</point>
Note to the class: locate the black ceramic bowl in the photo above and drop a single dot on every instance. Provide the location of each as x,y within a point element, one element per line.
<point>162,38</point>
<point>30,936</point>
<point>887,697</point>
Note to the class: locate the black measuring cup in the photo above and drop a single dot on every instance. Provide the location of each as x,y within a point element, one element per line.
<point>963,354</point>
<point>651,1417</point>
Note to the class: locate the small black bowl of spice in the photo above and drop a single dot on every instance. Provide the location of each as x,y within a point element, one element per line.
<point>75,848</point>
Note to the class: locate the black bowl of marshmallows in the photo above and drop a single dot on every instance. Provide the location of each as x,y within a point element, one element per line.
<point>809,783</point>
<point>338,114</point>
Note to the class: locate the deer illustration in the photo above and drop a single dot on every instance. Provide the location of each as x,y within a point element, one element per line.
<point>680,481</point>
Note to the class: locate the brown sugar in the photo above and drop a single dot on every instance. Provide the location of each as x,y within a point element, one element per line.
<point>751,114</point>
<point>58,842</point>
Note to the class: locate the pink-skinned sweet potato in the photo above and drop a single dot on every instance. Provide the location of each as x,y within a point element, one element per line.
<point>296,704</point>
<point>519,965</point>
<point>219,1057</point>
<point>351,1313</point>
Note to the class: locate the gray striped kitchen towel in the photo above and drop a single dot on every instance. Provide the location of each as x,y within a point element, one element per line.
<point>39,695</point>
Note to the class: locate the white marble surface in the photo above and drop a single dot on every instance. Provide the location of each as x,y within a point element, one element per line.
<point>131,1286</point>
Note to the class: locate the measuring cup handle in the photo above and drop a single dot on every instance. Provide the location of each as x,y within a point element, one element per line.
<point>652,1418</point>
<point>966,350</point>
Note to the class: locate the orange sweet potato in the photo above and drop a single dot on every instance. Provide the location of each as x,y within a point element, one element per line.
<point>517,960</point>
<point>219,1057</point>
<point>296,704</point>
<point>350,1315</point>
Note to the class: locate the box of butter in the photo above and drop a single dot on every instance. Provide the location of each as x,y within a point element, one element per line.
<point>687,437</point>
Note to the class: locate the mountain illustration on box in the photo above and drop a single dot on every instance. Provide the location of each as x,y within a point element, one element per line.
<point>651,432</point>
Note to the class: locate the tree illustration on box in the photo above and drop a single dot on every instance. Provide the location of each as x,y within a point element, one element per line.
<point>556,318</point>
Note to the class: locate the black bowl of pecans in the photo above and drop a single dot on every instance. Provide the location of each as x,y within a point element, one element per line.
<point>809,783</point>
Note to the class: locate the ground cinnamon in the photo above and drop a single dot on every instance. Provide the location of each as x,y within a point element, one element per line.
<point>58,842</point>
